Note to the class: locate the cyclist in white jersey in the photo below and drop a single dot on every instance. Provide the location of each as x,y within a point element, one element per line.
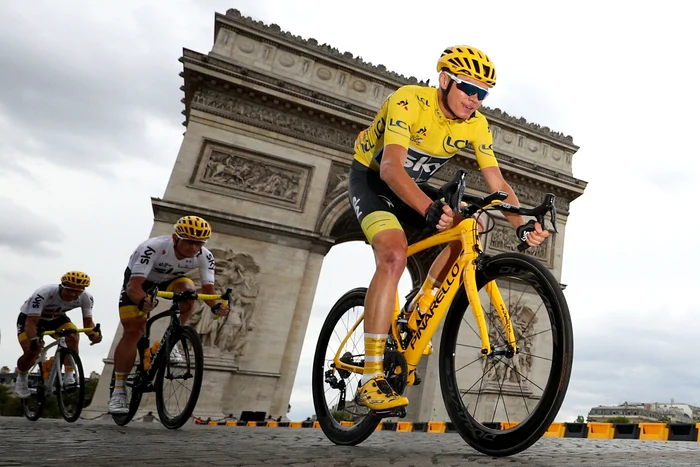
<point>163,262</point>
<point>46,309</point>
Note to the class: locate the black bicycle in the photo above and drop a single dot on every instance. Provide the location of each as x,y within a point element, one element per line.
<point>156,371</point>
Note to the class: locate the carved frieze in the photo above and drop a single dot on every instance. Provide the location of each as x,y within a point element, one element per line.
<point>228,335</point>
<point>240,173</point>
<point>337,182</point>
<point>273,119</point>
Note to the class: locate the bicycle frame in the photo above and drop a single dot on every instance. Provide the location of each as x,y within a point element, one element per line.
<point>462,271</point>
<point>48,384</point>
<point>173,329</point>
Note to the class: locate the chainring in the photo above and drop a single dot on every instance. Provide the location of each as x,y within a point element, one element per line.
<point>395,370</point>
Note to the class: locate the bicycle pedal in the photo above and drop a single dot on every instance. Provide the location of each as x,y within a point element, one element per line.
<point>399,412</point>
<point>416,378</point>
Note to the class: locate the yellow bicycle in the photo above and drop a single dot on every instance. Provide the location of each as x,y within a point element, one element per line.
<point>504,367</point>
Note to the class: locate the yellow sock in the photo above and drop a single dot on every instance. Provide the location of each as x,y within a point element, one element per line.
<point>119,382</point>
<point>374,356</point>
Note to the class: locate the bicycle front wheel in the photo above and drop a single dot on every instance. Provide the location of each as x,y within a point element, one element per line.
<point>342,420</point>
<point>178,382</point>
<point>502,404</point>
<point>132,386</point>
<point>33,406</point>
<point>70,392</point>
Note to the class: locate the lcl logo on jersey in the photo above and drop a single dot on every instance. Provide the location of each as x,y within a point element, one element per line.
<point>398,123</point>
<point>423,100</point>
<point>451,146</point>
<point>377,131</point>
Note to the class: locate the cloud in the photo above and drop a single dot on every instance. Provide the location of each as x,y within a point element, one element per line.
<point>78,92</point>
<point>26,232</point>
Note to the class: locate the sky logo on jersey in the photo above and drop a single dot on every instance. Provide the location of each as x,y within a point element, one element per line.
<point>451,146</point>
<point>421,165</point>
<point>146,255</point>
<point>210,260</point>
<point>36,303</point>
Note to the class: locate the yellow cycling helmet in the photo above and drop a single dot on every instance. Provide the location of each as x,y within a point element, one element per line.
<point>469,61</point>
<point>75,280</point>
<point>193,228</point>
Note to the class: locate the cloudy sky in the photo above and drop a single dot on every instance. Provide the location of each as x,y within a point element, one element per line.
<point>90,127</point>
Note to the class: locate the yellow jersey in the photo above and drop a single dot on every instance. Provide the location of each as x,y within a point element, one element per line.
<point>411,118</point>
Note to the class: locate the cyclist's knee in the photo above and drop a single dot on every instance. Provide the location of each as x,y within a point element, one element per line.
<point>133,330</point>
<point>392,260</point>
<point>72,340</point>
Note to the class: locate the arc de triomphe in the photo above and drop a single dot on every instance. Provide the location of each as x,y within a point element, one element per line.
<point>270,123</point>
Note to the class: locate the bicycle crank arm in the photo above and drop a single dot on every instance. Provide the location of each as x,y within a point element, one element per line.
<point>397,412</point>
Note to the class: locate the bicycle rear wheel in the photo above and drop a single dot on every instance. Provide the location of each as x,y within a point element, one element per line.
<point>71,398</point>
<point>176,382</point>
<point>502,404</point>
<point>133,395</point>
<point>33,406</point>
<point>334,390</point>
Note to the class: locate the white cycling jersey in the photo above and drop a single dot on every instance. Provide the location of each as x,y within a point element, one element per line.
<point>47,303</point>
<point>155,260</point>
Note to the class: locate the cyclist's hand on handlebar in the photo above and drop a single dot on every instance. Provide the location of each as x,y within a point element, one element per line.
<point>145,304</point>
<point>220,310</point>
<point>95,337</point>
<point>531,233</point>
<point>439,216</point>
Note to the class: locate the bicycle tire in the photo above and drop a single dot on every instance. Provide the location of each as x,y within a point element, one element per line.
<point>334,431</point>
<point>134,402</point>
<point>168,421</point>
<point>494,442</point>
<point>80,380</point>
<point>39,396</point>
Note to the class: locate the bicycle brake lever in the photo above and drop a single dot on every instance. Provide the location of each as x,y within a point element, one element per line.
<point>154,297</point>
<point>552,211</point>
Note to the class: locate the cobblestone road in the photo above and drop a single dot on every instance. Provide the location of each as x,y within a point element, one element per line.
<point>101,443</point>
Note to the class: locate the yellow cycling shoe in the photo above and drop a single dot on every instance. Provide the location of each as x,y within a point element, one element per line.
<point>376,394</point>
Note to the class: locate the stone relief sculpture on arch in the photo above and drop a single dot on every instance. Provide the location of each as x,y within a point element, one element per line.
<point>228,335</point>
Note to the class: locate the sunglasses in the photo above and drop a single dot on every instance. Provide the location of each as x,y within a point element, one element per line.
<point>468,88</point>
<point>188,241</point>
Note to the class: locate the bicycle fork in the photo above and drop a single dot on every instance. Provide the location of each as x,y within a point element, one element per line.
<point>487,349</point>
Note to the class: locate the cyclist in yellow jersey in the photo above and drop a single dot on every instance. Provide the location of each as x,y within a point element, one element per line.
<point>416,131</point>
